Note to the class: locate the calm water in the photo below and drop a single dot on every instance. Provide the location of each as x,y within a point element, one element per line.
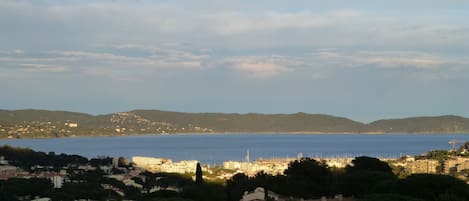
<point>215,148</point>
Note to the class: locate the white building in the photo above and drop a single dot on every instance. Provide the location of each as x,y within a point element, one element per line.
<point>257,195</point>
<point>165,165</point>
<point>57,180</point>
<point>180,167</point>
<point>72,125</point>
<point>149,162</point>
<point>3,161</point>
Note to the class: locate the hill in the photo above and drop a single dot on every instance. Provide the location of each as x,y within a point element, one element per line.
<point>299,122</point>
<point>440,124</point>
<point>44,123</point>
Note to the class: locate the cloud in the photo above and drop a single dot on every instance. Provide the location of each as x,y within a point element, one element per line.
<point>218,25</point>
<point>119,62</point>
<point>393,59</point>
<point>124,60</point>
<point>10,52</point>
<point>43,68</point>
<point>158,59</point>
<point>18,51</point>
<point>383,59</point>
<point>262,67</point>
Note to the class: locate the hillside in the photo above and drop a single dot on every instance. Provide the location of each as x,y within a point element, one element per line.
<point>255,122</point>
<point>43,123</point>
<point>440,124</point>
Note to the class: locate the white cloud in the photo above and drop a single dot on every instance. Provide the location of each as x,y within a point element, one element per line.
<point>383,59</point>
<point>17,51</point>
<point>44,68</point>
<point>399,59</point>
<point>10,52</point>
<point>263,67</point>
<point>159,59</point>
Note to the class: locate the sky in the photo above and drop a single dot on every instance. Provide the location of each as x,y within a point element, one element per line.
<point>364,59</point>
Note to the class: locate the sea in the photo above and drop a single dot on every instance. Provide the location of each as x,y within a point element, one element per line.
<point>213,149</point>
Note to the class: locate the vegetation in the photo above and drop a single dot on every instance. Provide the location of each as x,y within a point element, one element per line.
<point>43,123</point>
<point>440,124</point>
<point>198,174</point>
<point>27,158</point>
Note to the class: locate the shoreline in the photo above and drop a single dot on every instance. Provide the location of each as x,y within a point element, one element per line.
<point>240,133</point>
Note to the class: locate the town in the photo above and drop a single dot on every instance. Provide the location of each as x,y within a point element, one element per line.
<point>118,178</point>
<point>122,123</point>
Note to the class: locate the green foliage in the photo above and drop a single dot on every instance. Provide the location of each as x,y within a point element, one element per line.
<point>439,155</point>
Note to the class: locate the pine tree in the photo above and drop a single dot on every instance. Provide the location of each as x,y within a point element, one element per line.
<point>198,174</point>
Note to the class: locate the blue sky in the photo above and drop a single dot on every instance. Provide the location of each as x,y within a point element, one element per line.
<point>364,60</point>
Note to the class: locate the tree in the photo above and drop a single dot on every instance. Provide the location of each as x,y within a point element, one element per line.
<point>198,174</point>
<point>365,163</point>
<point>361,183</point>
<point>308,178</point>
<point>368,175</point>
<point>236,186</point>
<point>431,187</point>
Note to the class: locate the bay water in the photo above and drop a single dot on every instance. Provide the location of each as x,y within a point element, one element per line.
<point>216,148</point>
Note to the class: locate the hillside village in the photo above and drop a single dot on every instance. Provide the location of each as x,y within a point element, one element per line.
<point>118,124</point>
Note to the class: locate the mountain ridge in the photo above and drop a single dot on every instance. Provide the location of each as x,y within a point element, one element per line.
<point>33,123</point>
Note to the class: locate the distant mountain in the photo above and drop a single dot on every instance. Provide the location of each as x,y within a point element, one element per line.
<point>43,123</point>
<point>440,124</point>
<point>299,122</point>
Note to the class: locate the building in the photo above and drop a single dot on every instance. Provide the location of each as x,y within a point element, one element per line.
<point>181,167</point>
<point>165,165</point>
<point>3,161</point>
<point>455,164</point>
<point>257,195</point>
<point>57,180</point>
<point>278,165</point>
<point>422,166</point>
<point>149,162</point>
<point>72,125</point>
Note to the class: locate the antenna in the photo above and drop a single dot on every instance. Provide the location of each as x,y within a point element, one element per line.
<point>300,155</point>
<point>453,143</point>
<point>247,156</point>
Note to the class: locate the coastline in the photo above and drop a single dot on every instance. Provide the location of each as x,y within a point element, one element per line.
<point>239,133</point>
